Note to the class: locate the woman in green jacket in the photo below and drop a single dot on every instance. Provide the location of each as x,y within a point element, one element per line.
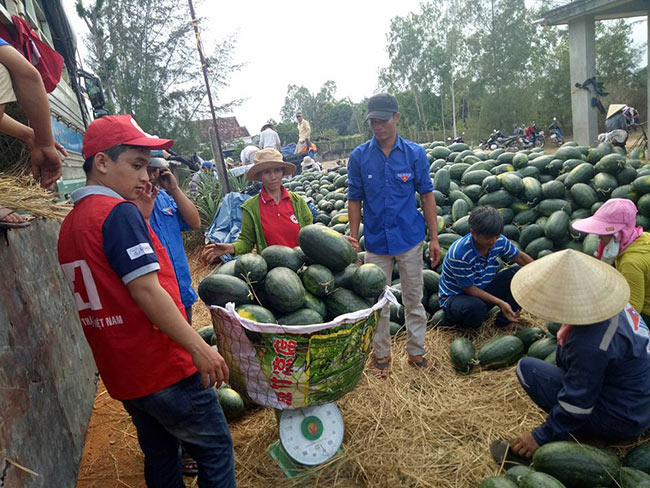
<point>273,217</point>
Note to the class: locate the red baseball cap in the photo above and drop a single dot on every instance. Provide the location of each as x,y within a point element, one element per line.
<point>113,130</point>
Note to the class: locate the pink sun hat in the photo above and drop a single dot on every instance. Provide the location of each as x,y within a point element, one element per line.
<point>613,215</point>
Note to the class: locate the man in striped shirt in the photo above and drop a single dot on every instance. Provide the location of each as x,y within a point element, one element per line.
<point>471,283</point>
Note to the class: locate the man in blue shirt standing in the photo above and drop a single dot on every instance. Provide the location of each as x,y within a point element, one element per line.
<point>471,283</point>
<point>383,175</point>
<point>170,212</point>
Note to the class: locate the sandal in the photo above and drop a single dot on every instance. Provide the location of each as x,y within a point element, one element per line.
<point>189,466</point>
<point>419,362</point>
<point>502,454</point>
<point>4,212</point>
<point>382,366</point>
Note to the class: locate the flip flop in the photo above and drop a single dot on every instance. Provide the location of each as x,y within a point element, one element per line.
<point>502,454</point>
<point>422,362</point>
<point>189,466</point>
<point>10,225</point>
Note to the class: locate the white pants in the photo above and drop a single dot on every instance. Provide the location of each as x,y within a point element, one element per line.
<point>409,264</point>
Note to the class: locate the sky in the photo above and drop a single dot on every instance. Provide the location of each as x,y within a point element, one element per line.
<point>296,42</point>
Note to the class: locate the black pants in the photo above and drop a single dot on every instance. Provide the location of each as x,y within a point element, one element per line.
<point>188,313</point>
<point>469,312</point>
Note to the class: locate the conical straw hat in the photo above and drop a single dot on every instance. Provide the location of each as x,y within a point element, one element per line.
<point>614,108</point>
<point>570,287</point>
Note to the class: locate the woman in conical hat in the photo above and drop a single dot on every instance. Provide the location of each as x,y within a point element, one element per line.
<point>600,388</point>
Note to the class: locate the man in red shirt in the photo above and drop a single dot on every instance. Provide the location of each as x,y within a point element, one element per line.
<point>129,303</point>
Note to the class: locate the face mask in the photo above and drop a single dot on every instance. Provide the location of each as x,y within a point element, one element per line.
<point>611,250</point>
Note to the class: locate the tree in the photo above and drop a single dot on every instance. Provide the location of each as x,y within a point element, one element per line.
<point>144,53</point>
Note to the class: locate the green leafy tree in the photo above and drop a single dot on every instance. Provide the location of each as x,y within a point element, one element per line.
<point>145,54</point>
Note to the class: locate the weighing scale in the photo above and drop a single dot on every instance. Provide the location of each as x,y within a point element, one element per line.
<point>308,437</point>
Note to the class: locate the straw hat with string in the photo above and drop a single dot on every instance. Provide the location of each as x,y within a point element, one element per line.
<point>614,108</point>
<point>570,287</point>
<point>268,158</point>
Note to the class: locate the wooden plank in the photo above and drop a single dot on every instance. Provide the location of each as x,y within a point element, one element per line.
<point>47,373</point>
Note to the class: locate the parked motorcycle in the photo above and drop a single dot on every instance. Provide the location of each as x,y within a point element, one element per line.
<point>555,133</point>
<point>493,142</point>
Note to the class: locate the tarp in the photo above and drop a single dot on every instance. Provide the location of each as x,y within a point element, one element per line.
<point>226,225</point>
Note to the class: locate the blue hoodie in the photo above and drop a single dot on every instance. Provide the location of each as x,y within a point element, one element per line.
<point>606,369</point>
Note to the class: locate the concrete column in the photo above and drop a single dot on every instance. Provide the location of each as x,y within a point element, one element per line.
<point>582,58</point>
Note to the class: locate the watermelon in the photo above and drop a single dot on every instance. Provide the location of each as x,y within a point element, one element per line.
<point>538,245</point>
<point>325,246</point>
<point>231,403</point>
<point>639,458</point>
<point>315,304</point>
<point>251,267</point>
<point>557,226</point>
<point>500,352</point>
<point>517,472</point>
<point>497,482</point>
<point>542,348</point>
<point>342,301</point>
<point>276,256</point>
<point>395,328</point>
<point>284,289</point>
<point>462,354</point>
<point>303,316</point>
<point>206,333</point>
<point>576,465</point>
<point>227,268</point>
<point>219,289</point>
<point>256,313</point>
<point>318,280</point>
<point>529,336</point>
<point>584,195</point>
<point>632,478</point>
<point>539,480</point>
<point>369,280</point>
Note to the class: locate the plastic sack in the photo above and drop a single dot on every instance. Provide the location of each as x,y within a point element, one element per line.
<point>226,225</point>
<point>284,367</point>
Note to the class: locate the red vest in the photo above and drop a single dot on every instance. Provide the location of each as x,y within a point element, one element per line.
<point>133,356</point>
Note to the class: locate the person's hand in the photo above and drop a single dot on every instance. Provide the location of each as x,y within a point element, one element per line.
<point>167,180</point>
<point>525,445</point>
<point>146,200</point>
<point>434,252</point>
<point>510,314</point>
<point>46,163</point>
<point>211,252</point>
<point>353,242</point>
<point>210,364</point>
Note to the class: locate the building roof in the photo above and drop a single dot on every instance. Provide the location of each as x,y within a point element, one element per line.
<point>598,9</point>
<point>229,129</point>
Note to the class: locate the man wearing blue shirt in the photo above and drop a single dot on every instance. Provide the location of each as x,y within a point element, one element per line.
<point>170,212</point>
<point>471,283</point>
<point>383,176</point>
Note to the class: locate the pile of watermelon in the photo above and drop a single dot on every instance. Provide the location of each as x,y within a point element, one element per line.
<point>310,284</point>
<point>506,350</point>
<point>573,465</point>
<point>538,195</point>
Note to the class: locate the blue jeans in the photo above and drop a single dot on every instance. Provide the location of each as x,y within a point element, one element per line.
<point>468,312</point>
<point>187,412</point>
<point>543,382</point>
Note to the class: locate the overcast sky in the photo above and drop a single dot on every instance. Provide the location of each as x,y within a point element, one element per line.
<point>297,42</point>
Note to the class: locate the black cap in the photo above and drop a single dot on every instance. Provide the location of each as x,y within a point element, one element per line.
<point>381,106</point>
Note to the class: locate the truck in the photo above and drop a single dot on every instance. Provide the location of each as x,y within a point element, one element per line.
<point>72,105</point>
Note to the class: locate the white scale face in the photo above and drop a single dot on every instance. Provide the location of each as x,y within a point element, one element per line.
<point>311,435</point>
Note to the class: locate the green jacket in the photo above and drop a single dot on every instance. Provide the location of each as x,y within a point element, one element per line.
<point>252,235</point>
<point>634,265</point>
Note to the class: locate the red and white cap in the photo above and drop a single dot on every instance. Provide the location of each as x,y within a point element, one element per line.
<point>612,216</point>
<point>113,130</point>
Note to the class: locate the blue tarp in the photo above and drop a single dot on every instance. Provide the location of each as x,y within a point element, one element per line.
<point>227,222</point>
<point>289,149</point>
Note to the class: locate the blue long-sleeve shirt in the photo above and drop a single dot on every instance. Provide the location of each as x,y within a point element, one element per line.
<point>392,223</point>
<point>607,368</point>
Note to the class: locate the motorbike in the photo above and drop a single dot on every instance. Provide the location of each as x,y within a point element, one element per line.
<point>493,142</point>
<point>556,137</point>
